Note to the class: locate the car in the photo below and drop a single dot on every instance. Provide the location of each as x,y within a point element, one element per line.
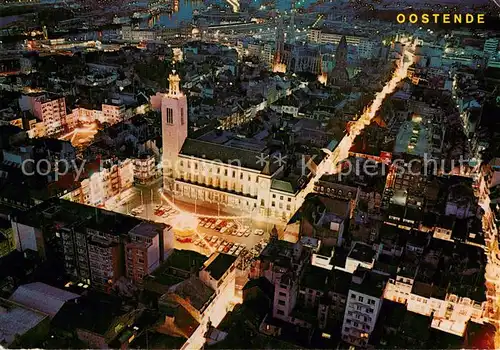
<point>238,251</point>
<point>214,239</point>
<point>212,226</point>
<point>226,249</point>
<point>232,250</point>
<point>197,241</point>
<point>230,245</point>
<point>224,242</point>
<point>234,232</point>
<point>221,248</point>
<point>158,206</point>
<point>165,215</point>
<point>240,233</point>
<point>247,233</point>
<point>223,230</point>
<point>207,224</point>
<point>218,222</point>
<point>258,232</point>
<point>230,224</point>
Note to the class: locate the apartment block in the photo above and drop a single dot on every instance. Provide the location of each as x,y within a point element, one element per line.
<point>363,306</point>
<point>91,245</point>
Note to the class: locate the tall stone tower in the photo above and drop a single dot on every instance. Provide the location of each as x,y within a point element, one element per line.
<point>341,53</point>
<point>279,48</point>
<point>339,75</point>
<point>174,128</point>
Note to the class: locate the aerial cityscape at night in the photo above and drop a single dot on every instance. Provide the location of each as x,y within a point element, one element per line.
<point>250,174</point>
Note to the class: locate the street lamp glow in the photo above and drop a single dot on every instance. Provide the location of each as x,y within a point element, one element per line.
<point>185,222</point>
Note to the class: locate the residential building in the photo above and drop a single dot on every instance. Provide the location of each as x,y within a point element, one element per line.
<point>194,304</point>
<point>361,254</point>
<point>145,169</point>
<point>88,244</point>
<point>50,112</point>
<point>142,254</point>
<point>363,306</point>
<point>110,180</point>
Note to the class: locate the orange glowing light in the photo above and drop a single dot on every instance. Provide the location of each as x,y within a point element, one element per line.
<point>185,222</point>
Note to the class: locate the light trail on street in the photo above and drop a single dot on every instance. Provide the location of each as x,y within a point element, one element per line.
<point>341,152</point>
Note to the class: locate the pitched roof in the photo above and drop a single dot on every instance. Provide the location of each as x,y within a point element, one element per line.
<point>42,297</point>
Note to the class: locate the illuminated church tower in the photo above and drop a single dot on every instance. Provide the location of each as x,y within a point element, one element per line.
<point>279,49</point>
<point>174,127</point>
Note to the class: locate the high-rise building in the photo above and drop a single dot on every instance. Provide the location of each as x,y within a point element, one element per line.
<point>174,127</point>
<point>363,306</point>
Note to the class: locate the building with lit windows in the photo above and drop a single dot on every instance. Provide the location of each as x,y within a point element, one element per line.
<point>91,245</point>
<point>49,111</point>
<point>236,175</point>
<point>363,305</point>
<point>200,300</point>
<point>142,253</point>
<point>366,47</point>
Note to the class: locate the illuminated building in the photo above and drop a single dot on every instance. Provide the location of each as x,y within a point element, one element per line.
<point>130,34</point>
<point>50,112</point>
<point>199,300</point>
<point>145,169</point>
<point>364,301</point>
<point>174,127</point>
<point>108,182</point>
<point>366,47</point>
<point>90,242</point>
<point>142,253</point>
<point>279,49</point>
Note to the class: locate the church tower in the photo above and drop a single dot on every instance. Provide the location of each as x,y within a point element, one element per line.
<point>339,75</point>
<point>174,128</point>
<point>341,53</point>
<point>279,48</point>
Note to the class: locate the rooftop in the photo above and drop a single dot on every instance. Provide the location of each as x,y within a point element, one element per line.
<point>362,252</point>
<point>94,313</point>
<point>227,155</point>
<point>367,282</point>
<point>42,297</point>
<point>218,266</point>
<point>16,320</point>
<point>193,290</point>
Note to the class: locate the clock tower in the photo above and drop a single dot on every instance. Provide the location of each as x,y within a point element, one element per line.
<point>174,128</point>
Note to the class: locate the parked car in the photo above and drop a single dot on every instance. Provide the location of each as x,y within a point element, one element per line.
<point>258,232</point>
